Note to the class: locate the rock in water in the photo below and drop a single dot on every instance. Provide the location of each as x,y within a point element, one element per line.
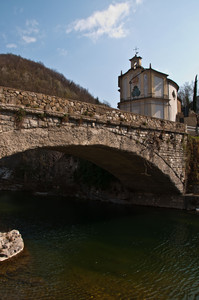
<point>11,244</point>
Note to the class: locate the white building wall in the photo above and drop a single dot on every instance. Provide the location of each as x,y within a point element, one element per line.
<point>136,108</point>
<point>173,108</point>
<point>150,107</point>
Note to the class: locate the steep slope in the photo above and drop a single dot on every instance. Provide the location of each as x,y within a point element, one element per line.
<point>21,73</point>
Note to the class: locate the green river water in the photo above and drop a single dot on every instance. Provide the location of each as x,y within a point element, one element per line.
<point>93,250</point>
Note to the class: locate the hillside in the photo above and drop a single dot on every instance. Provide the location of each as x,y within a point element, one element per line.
<point>21,73</point>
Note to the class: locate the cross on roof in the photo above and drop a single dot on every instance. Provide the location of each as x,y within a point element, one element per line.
<point>136,50</point>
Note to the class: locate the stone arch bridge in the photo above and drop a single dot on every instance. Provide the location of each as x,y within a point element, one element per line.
<point>146,154</point>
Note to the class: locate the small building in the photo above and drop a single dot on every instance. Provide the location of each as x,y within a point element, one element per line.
<point>148,92</point>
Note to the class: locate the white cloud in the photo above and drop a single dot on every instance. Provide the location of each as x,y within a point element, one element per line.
<point>138,2</point>
<point>62,52</point>
<point>11,46</point>
<point>30,32</point>
<point>108,22</point>
<point>29,39</point>
<point>31,27</point>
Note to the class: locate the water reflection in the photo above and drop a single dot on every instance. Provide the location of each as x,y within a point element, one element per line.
<point>85,250</point>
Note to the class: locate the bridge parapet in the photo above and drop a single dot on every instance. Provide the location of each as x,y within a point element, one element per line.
<point>13,99</point>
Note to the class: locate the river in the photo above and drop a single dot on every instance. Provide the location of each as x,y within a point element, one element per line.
<point>93,250</point>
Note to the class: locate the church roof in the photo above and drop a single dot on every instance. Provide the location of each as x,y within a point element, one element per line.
<point>157,72</point>
<point>177,86</point>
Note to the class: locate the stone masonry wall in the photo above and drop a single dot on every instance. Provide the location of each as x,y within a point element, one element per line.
<point>50,104</point>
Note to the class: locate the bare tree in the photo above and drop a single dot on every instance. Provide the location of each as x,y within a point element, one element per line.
<point>185,93</point>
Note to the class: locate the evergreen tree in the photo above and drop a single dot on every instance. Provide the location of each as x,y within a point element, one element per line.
<point>195,95</point>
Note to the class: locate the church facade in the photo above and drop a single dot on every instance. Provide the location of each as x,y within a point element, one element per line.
<point>148,92</point>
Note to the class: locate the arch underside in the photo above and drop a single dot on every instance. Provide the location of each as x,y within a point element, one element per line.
<point>134,172</point>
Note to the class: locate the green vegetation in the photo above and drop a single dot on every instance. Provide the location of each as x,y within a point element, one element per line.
<point>24,74</point>
<point>195,94</point>
<point>19,117</point>
<point>64,118</point>
<point>193,162</point>
<point>42,116</point>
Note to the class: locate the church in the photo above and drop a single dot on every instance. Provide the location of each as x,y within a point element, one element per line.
<point>148,92</point>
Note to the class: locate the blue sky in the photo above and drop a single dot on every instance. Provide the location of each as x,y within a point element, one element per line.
<point>91,41</point>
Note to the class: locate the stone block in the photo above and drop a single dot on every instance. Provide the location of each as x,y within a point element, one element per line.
<point>33,123</point>
<point>5,117</point>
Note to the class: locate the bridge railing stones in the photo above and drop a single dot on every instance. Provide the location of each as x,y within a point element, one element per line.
<point>62,110</point>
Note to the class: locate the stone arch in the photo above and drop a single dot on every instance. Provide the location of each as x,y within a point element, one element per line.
<point>131,162</point>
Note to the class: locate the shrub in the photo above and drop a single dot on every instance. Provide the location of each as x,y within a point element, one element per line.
<point>19,117</point>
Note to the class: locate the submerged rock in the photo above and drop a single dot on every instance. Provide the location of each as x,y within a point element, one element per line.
<point>11,244</point>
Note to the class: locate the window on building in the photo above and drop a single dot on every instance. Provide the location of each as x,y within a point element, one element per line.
<point>158,87</point>
<point>158,111</point>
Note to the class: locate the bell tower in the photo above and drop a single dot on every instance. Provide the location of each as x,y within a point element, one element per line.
<point>136,62</point>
